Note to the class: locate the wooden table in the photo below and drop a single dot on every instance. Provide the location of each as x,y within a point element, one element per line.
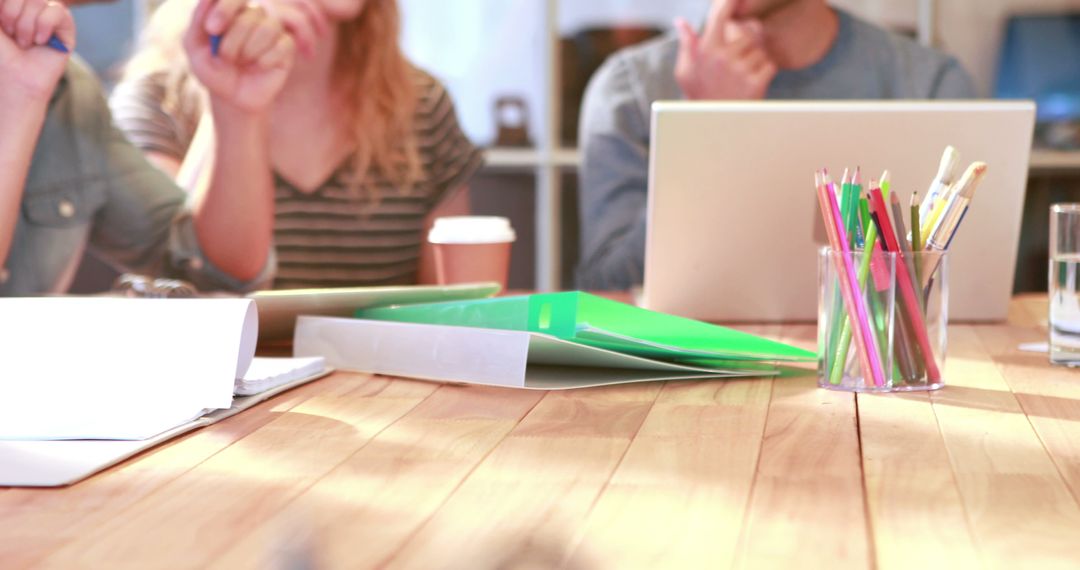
<point>360,471</point>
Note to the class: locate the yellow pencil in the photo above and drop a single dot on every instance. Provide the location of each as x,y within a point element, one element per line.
<point>939,207</point>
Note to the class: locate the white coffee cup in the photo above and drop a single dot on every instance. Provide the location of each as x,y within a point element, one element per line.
<point>472,249</point>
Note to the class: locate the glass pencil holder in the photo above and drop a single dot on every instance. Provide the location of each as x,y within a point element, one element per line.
<point>882,320</point>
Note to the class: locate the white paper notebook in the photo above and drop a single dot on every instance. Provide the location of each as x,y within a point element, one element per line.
<point>268,373</point>
<point>54,463</point>
<point>118,368</point>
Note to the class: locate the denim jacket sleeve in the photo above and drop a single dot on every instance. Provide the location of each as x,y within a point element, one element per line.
<point>146,226</point>
<point>87,185</point>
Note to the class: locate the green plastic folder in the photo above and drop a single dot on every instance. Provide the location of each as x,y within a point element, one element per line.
<point>594,321</point>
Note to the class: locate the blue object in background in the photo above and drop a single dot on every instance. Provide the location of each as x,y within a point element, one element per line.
<point>106,34</point>
<point>1040,60</point>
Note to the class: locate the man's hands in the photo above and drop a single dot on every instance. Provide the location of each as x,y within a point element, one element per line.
<point>29,68</point>
<point>728,61</point>
<point>254,58</point>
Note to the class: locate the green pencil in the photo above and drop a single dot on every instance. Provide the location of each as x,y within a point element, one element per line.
<point>916,228</point>
<point>836,374</point>
<point>840,316</point>
<point>916,236</point>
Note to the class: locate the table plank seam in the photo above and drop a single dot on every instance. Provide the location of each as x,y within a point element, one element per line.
<point>1027,416</point>
<point>622,457</point>
<point>969,523</point>
<point>743,537</point>
<point>964,493</point>
<point>976,538</point>
<point>964,500</point>
<point>871,541</point>
<point>423,523</point>
<point>301,491</point>
<point>575,544</point>
<point>165,482</point>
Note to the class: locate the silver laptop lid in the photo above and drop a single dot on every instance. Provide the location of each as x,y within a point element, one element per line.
<point>733,213</point>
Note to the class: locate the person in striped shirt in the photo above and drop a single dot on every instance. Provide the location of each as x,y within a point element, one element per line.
<point>366,150</point>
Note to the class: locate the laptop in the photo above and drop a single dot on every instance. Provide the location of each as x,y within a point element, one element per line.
<point>733,222</point>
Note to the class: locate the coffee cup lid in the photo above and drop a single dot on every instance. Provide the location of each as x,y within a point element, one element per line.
<point>471,230</point>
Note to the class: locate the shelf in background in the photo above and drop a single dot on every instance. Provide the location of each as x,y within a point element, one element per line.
<point>1042,160</point>
<point>529,158</point>
<point>1045,160</point>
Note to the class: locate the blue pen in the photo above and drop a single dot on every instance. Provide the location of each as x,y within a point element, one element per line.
<point>215,44</point>
<point>55,43</point>
<point>960,221</point>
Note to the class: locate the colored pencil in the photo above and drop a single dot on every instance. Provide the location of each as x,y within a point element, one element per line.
<point>840,316</point>
<point>901,237</point>
<point>916,239</point>
<point>865,343</point>
<point>908,298</point>
<point>905,352</point>
<point>916,230</point>
<point>909,261</point>
<point>851,215</point>
<point>842,342</point>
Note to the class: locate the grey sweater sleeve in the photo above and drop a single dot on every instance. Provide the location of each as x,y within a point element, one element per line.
<point>614,142</point>
<point>953,82</point>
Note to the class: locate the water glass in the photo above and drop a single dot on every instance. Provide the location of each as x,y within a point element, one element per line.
<point>1064,301</point>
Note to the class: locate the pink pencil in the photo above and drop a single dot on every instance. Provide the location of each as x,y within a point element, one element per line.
<point>877,372</point>
<point>849,287</point>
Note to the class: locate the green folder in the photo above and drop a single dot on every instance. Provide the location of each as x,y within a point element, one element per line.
<point>594,321</point>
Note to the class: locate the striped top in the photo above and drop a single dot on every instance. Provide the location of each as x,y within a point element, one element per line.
<point>332,237</point>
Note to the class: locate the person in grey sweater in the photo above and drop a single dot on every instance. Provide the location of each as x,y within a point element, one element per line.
<point>748,49</point>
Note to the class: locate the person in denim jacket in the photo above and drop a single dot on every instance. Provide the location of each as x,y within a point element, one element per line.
<point>69,180</point>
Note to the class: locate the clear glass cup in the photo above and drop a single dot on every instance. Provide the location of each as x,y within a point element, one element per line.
<point>1064,300</point>
<point>905,349</point>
